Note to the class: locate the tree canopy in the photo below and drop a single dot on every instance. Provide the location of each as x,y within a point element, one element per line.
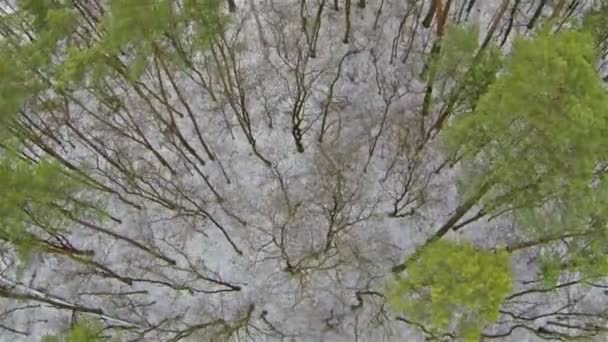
<point>534,145</point>
<point>453,287</point>
<point>540,129</point>
<point>252,170</point>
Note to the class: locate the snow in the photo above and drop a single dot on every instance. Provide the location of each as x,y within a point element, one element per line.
<point>262,205</point>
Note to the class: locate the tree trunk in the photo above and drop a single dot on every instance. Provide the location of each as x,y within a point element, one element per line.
<point>511,21</point>
<point>445,228</point>
<point>470,8</point>
<point>231,6</point>
<point>495,21</point>
<point>378,12</point>
<point>537,13</point>
<point>347,21</point>
<point>428,19</point>
<point>316,29</point>
<point>557,10</point>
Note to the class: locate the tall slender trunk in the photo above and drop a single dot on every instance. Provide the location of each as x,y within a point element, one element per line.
<point>442,15</point>
<point>378,13</point>
<point>316,28</point>
<point>231,6</point>
<point>449,224</point>
<point>495,21</point>
<point>545,240</point>
<point>15,290</point>
<point>428,19</point>
<point>456,94</point>
<point>536,14</point>
<point>557,10</point>
<point>347,21</point>
<point>510,24</point>
<point>128,240</point>
<point>470,8</point>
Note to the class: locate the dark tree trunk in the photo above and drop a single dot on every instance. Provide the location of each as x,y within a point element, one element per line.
<point>347,23</point>
<point>510,25</point>
<point>428,19</point>
<point>471,4</point>
<point>537,13</point>
<point>231,6</point>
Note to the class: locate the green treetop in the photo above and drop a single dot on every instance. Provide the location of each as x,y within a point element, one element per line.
<point>85,331</point>
<point>541,129</point>
<point>453,287</point>
<point>534,144</point>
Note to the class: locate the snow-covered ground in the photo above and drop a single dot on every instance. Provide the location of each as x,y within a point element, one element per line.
<point>312,235</point>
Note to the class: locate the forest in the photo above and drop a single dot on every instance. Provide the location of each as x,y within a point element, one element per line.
<point>303,170</point>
